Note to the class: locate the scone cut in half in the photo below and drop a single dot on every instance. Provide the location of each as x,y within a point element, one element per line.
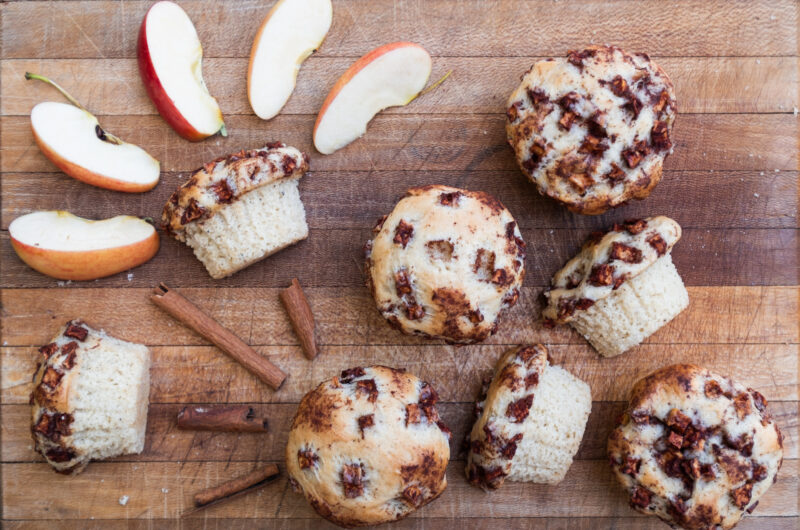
<point>90,398</point>
<point>530,421</point>
<point>592,129</point>
<point>368,447</point>
<point>622,287</point>
<point>695,448</point>
<point>240,208</point>
<point>445,263</point>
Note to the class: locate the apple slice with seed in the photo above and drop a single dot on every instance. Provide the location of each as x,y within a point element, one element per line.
<point>389,76</point>
<point>68,247</point>
<point>291,31</point>
<point>72,138</point>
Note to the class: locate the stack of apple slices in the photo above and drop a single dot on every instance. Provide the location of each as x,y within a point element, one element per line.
<point>171,65</point>
<point>68,247</point>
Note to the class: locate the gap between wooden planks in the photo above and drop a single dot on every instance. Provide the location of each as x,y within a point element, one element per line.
<point>478,84</point>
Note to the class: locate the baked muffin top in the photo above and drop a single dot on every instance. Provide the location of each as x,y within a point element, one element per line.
<point>695,448</point>
<point>605,262</point>
<point>225,179</point>
<point>591,130</point>
<point>445,263</point>
<point>368,446</point>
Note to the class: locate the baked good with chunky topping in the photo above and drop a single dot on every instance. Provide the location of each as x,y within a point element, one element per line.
<point>591,130</point>
<point>695,448</point>
<point>240,208</point>
<point>530,421</point>
<point>622,287</point>
<point>445,263</point>
<point>368,447</point>
<point>90,397</point>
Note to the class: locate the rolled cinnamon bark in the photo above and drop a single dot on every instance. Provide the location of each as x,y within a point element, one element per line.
<point>237,418</point>
<point>296,304</point>
<point>235,486</point>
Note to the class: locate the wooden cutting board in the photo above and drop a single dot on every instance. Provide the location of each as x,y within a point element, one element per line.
<point>732,183</point>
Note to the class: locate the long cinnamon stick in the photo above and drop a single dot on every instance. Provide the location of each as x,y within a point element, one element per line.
<point>236,486</point>
<point>193,317</point>
<point>296,304</point>
<point>238,418</point>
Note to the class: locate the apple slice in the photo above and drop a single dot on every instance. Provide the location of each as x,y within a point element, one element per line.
<point>71,137</point>
<point>391,75</point>
<point>291,31</point>
<point>171,65</point>
<point>67,247</point>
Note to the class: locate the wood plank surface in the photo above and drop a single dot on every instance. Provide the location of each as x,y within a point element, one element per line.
<point>732,183</point>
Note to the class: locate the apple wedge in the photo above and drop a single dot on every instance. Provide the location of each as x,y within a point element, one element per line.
<point>291,31</point>
<point>71,137</point>
<point>67,247</point>
<point>389,76</point>
<point>171,65</point>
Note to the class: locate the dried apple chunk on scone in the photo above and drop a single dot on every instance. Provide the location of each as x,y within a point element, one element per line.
<point>622,287</point>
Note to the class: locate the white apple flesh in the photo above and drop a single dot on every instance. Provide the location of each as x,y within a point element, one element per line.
<point>170,63</point>
<point>67,247</point>
<point>291,31</point>
<point>74,141</point>
<point>389,76</point>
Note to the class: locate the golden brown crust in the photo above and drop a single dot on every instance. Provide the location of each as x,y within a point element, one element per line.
<point>592,130</point>
<point>605,262</point>
<point>368,446</point>
<point>695,448</point>
<point>225,179</point>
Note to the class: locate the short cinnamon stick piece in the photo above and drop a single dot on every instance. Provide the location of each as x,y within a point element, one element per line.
<point>235,486</point>
<point>239,418</point>
<point>296,304</point>
<point>192,316</point>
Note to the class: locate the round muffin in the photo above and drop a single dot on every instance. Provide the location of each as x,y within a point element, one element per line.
<point>445,263</point>
<point>368,447</point>
<point>530,421</point>
<point>695,448</point>
<point>592,130</point>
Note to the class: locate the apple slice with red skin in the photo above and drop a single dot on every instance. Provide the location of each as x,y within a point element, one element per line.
<point>291,31</point>
<point>67,247</point>
<point>388,76</point>
<point>72,138</point>
<point>170,60</point>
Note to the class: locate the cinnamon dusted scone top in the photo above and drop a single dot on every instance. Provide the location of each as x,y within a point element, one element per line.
<point>445,263</point>
<point>368,447</point>
<point>695,448</point>
<point>225,179</point>
<point>592,130</point>
<point>606,261</point>
<point>90,397</point>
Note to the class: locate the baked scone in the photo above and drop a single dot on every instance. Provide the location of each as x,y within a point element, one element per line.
<point>622,287</point>
<point>368,447</point>
<point>695,448</point>
<point>445,263</point>
<point>90,398</point>
<point>530,421</point>
<point>240,208</point>
<point>592,130</point>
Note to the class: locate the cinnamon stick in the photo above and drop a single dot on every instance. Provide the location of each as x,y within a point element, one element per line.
<point>193,317</point>
<point>236,486</point>
<point>238,418</point>
<point>296,304</point>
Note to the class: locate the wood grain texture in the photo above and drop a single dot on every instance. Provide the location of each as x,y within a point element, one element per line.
<point>418,142</point>
<point>108,29</point>
<point>347,316</point>
<point>477,84</point>
<point>708,199</point>
<point>143,483</point>
<point>735,67</point>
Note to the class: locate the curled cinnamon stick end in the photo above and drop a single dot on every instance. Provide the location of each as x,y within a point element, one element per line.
<point>239,418</point>
<point>237,485</point>
<point>193,317</point>
<point>296,304</point>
